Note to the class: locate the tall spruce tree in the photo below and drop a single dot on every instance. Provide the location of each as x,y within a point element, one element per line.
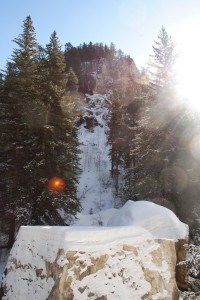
<point>38,141</point>
<point>20,96</point>
<point>156,144</point>
<point>162,62</point>
<point>58,143</point>
<point>72,80</point>
<point>115,133</point>
<point>165,143</point>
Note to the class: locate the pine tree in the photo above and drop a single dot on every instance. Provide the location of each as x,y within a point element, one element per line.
<point>115,138</point>
<point>133,115</point>
<point>25,58</point>
<point>161,63</point>
<point>38,141</point>
<point>156,145</point>
<point>58,144</point>
<point>22,117</point>
<point>112,50</point>
<point>72,80</point>
<point>72,58</point>
<point>56,69</point>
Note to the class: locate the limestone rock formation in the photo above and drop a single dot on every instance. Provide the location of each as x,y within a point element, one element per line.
<point>55,264</point>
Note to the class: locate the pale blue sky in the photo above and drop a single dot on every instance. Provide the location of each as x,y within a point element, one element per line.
<point>132,25</point>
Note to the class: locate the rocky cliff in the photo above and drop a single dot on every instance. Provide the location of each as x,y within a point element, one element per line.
<point>101,75</point>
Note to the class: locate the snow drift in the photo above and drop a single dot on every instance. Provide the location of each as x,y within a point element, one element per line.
<point>141,218</point>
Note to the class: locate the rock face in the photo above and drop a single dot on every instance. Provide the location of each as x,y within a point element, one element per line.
<point>103,74</point>
<point>181,270</point>
<point>65,264</point>
<point>126,275</point>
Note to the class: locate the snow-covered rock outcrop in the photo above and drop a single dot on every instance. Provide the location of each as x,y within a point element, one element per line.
<point>126,261</point>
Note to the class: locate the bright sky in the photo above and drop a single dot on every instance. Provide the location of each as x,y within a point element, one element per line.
<point>132,25</point>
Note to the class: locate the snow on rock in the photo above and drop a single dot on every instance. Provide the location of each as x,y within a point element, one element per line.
<point>159,221</point>
<point>142,218</point>
<point>123,260</point>
<point>48,263</point>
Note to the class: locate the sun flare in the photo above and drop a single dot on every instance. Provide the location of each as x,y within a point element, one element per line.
<point>188,65</point>
<point>188,79</point>
<point>56,185</point>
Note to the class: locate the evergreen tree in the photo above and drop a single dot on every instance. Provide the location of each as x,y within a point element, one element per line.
<point>25,59</point>
<point>1,84</point>
<point>112,50</point>
<point>38,141</point>
<point>72,80</point>
<point>161,63</point>
<point>133,119</point>
<point>58,143</point>
<point>156,145</point>
<point>22,115</point>
<point>115,138</point>
<point>72,58</point>
<point>56,69</point>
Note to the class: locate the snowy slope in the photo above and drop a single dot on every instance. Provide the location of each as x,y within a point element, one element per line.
<point>95,189</point>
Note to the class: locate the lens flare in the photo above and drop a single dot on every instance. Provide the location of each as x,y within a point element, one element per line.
<point>188,64</point>
<point>195,147</point>
<point>173,179</point>
<point>56,185</point>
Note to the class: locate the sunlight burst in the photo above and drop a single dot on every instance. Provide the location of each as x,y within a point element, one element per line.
<point>188,65</point>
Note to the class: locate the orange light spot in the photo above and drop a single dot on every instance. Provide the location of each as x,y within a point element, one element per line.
<point>56,185</point>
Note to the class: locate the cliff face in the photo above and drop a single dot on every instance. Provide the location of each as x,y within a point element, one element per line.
<point>73,263</point>
<point>103,74</point>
